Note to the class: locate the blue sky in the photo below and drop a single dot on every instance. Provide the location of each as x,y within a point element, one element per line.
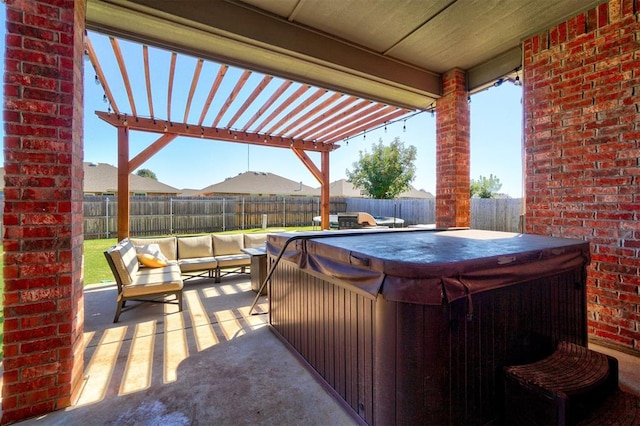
<point>496,128</point>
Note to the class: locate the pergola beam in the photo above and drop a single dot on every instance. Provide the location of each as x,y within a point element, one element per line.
<point>212,133</point>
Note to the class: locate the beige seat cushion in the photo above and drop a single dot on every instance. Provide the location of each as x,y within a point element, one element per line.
<point>227,244</point>
<point>233,260</point>
<point>154,281</point>
<point>197,264</point>
<point>167,245</point>
<point>190,247</point>
<point>255,240</point>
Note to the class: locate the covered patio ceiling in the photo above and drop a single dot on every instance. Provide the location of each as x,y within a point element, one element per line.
<point>390,51</point>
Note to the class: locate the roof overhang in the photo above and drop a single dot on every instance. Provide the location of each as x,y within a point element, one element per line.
<point>229,33</point>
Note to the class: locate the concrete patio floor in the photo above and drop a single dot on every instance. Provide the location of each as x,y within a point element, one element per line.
<point>211,364</point>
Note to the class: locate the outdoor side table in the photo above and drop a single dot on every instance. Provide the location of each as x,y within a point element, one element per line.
<point>258,267</point>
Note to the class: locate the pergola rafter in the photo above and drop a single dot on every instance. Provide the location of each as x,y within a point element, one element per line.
<point>295,116</point>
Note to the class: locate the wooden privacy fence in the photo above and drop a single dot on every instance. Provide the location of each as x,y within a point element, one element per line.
<point>192,215</point>
<point>496,214</point>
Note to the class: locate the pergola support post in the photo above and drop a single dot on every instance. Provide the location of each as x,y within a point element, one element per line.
<point>324,192</point>
<point>123,183</point>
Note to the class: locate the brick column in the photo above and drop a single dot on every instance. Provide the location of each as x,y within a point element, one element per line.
<point>43,148</point>
<point>452,152</point>
<point>582,148</point>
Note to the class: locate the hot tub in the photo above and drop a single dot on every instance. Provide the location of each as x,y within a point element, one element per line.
<point>414,326</point>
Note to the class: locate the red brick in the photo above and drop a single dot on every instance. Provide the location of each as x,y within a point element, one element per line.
<point>597,170</point>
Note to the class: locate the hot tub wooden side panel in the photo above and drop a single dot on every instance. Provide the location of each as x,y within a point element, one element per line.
<point>331,328</point>
<point>402,363</point>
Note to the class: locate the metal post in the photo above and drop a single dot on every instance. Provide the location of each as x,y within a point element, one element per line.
<point>171,216</point>
<point>106,232</point>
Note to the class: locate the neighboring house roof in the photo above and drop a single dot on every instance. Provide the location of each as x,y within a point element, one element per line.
<point>189,192</point>
<point>344,188</point>
<point>259,183</point>
<point>103,178</point>
<point>416,193</point>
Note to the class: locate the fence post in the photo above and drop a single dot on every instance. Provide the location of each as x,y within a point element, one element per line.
<point>242,212</point>
<point>284,212</point>
<point>171,216</point>
<point>224,219</point>
<point>106,232</point>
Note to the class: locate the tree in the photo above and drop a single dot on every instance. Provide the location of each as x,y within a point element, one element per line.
<point>386,171</point>
<point>147,173</point>
<point>485,187</point>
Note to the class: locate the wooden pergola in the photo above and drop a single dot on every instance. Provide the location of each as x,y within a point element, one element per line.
<point>295,116</point>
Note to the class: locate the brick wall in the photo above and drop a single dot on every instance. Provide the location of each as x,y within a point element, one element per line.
<point>43,123</point>
<point>582,137</point>
<point>453,152</point>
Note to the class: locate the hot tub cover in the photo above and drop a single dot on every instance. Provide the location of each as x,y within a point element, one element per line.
<point>429,267</point>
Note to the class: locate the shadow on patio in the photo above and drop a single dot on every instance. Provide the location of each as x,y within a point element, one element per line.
<point>211,364</point>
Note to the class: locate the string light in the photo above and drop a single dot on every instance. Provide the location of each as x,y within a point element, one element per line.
<point>125,122</point>
<point>404,119</point>
<point>165,126</point>
<point>97,80</point>
<point>385,127</point>
<point>404,126</point>
<point>202,132</point>
<point>104,99</point>
<point>517,81</point>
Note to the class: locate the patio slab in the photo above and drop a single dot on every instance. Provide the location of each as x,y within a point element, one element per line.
<point>211,364</point>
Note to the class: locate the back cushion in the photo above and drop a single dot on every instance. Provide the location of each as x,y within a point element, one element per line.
<point>254,240</point>
<point>125,260</point>
<point>167,245</point>
<point>227,244</point>
<point>189,247</point>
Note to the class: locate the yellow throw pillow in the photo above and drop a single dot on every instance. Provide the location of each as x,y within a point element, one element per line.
<point>151,256</point>
<point>151,261</point>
